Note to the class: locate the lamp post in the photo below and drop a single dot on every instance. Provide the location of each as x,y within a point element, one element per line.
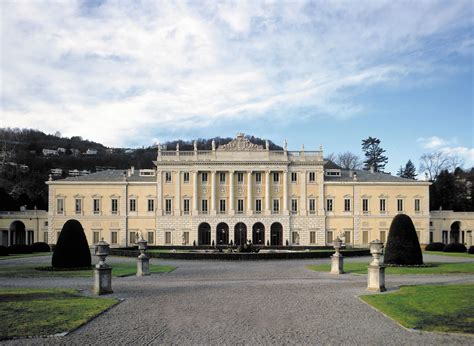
<point>143,262</point>
<point>337,260</point>
<point>102,271</point>
<point>376,270</point>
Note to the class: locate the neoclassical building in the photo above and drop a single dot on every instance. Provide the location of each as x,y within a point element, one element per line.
<point>236,192</point>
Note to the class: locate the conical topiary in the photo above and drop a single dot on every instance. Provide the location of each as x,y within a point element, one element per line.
<point>72,249</point>
<point>403,247</point>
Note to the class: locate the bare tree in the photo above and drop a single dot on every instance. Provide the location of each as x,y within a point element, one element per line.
<point>453,162</point>
<point>432,164</point>
<point>331,157</point>
<point>349,160</point>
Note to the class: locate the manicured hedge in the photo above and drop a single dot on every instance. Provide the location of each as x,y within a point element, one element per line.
<point>72,249</point>
<point>471,250</point>
<point>435,247</point>
<point>455,247</point>
<point>4,251</point>
<point>20,249</point>
<point>40,247</point>
<point>403,247</point>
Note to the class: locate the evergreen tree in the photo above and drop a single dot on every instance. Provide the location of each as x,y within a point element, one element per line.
<point>374,154</point>
<point>408,172</point>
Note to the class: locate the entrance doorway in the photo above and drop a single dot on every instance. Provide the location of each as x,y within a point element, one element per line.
<point>240,233</point>
<point>17,233</point>
<point>454,233</point>
<point>258,234</point>
<point>276,234</point>
<point>222,234</point>
<point>204,234</point>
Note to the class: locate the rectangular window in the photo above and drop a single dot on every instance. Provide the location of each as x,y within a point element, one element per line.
<point>365,205</point>
<point>276,177</point>
<point>96,204</point>
<point>383,236</point>
<point>186,177</point>
<point>295,238</point>
<point>382,205</point>
<point>329,204</point>
<point>95,237</point>
<point>258,178</point>
<point>113,237</point>
<point>151,205</point>
<point>417,206</point>
<point>347,236</point>
<point>240,206</point>
<point>347,204</point>
<point>431,237</point>
<point>258,206</point>
<point>365,237</point>
<point>204,206</point>
<point>294,177</point>
<point>167,238</point>
<point>329,236</point>
<point>151,237</point>
<point>222,206</point>
<point>45,237</point>
<point>222,178</point>
<point>294,206</point>
<point>312,206</point>
<point>418,235</point>
<point>132,205</point>
<point>168,177</point>
<point>133,237</point>
<point>46,224</point>
<point>168,206</point>
<point>399,204</point>
<point>445,237</point>
<point>78,206</point>
<point>186,206</point>
<point>312,237</point>
<point>185,238</point>
<point>114,202</point>
<point>240,178</point>
<point>60,206</point>
<point>276,206</point>
<point>58,233</point>
<point>204,177</point>
<point>312,177</point>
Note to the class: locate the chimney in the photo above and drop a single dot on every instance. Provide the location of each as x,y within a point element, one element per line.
<point>132,170</point>
<point>350,173</point>
<point>354,176</point>
<point>372,169</point>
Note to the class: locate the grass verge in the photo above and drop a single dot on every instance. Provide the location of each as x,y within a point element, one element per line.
<point>34,312</point>
<point>435,268</point>
<point>448,308</point>
<point>34,254</point>
<point>118,270</point>
<point>451,254</point>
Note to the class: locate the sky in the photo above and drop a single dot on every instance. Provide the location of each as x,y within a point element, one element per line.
<point>132,73</point>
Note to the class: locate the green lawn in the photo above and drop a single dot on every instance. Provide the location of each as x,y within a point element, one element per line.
<point>435,268</point>
<point>118,270</point>
<point>452,254</point>
<point>34,254</point>
<point>448,308</point>
<point>30,312</point>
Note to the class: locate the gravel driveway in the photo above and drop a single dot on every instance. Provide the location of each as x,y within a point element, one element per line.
<point>263,302</point>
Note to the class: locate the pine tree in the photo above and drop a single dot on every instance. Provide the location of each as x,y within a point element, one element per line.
<point>374,154</point>
<point>408,172</point>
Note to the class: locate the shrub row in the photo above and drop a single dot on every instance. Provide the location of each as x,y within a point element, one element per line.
<point>452,247</point>
<point>24,249</point>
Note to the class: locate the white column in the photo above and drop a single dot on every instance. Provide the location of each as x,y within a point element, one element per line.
<point>177,198</point>
<point>267,192</point>
<point>249,193</point>
<point>159,197</point>
<point>285,191</point>
<point>195,193</point>
<point>213,193</point>
<point>303,193</point>
<point>231,193</point>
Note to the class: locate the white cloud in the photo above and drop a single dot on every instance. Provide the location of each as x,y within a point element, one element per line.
<point>449,148</point>
<point>117,70</point>
<point>433,142</point>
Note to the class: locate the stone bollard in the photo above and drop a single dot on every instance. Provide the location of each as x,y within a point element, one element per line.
<point>376,270</point>
<point>337,260</point>
<point>102,271</point>
<point>143,262</point>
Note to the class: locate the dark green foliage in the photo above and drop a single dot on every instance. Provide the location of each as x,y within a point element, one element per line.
<point>4,251</point>
<point>40,247</point>
<point>408,172</point>
<point>455,247</point>
<point>373,154</point>
<point>72,249</point>
<point>435,247</point>
<point>471,250</point>
<point>403,247</point>
<point>20,249</point>
<point>453,191</point>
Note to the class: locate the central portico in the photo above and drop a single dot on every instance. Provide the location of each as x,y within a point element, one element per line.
<point>239,191</point>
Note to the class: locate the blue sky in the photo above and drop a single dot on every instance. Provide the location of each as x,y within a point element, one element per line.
<point>129,73</point>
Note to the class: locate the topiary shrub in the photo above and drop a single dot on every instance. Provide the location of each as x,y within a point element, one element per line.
<point>72,249</point>
<point>20,249</point>
<point>435,247</point>
<point>4,251</point>
<point>471,250</point>
<point>403,247</point>
<point>40,247</point>
<point>455,247</point>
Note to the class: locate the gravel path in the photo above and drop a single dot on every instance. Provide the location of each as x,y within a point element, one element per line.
<point>263,302</point>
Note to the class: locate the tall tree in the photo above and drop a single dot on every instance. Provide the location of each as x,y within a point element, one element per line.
<point>408,172</point>
<point>348,160</point>
<point>374,154</point>
<point>433,163</point>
